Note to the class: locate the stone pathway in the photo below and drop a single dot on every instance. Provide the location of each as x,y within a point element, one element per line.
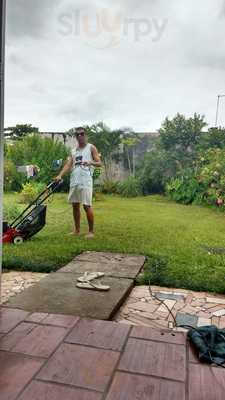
<point>51,357</point>
<point>191,308</point>
<point>15,282</point>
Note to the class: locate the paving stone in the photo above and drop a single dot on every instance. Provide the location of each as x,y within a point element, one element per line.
<point>169,304</point>
<point>216,300</point>
<point>215,320</point>
<point>179,305</point>
<point>34,340</point>
<point>116,270</point>
<point>186,319</point>
<point>140,319</point>
<point>85,367</point>
<point>189,298</point>
<point>219,313</point>
<point>107,335</point>
<point>14,282</point>
<point>9,318</point>
<point>66,321</point>
<point>169,296</point>
<point>215,308</point>
<point>48,391</point>
<point>141,306</point>
<point>188,309</point>
<point>58,294</point>
<point>203,314</point>
<point>135,387</point>
<point>160,335</point>
<point>198,303</point>
<point>113,258</point>
<point>203,322</point>
<point>206,382</point>
<point>36,317</point>
<point>125,321</point>
<point>16,371</point>
<point>12,338</point>
<point>211,305</point>
<point>181,292</point>
<point>153,315</point>
<point>221,323</point>
<point>152,358</point>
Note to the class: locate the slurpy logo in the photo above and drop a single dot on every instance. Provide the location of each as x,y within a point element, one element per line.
<point>104,28</point>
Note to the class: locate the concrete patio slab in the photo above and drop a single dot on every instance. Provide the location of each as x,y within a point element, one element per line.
<point>58,294</point>
<point>112,258</point>
<point>110,269</point>
<point>115,265</point>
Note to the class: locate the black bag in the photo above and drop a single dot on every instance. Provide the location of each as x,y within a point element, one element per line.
<point>209,341</point>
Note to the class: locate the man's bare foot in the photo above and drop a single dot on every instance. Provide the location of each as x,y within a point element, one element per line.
<point>90,235</point>
<point>75,233</point>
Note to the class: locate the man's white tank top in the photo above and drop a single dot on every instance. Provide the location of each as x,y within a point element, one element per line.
<point>82,176</point>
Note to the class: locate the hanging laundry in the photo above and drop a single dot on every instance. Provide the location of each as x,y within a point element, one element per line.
<point>30,170</point>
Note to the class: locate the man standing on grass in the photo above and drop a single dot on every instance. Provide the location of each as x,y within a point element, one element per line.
<point>81,163</point>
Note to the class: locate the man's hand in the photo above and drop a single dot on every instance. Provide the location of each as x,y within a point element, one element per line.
<point>86,163</point>
<point>57,178</point>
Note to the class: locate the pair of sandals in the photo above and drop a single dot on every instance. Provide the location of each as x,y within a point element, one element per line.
<point>86,282</point>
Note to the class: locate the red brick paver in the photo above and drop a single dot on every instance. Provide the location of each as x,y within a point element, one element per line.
<point>80,366</point>
<point>49,391</point>
<point>130,387</point>
<point>106,335</point>
<point>56,357</point>
<point>16,370</point>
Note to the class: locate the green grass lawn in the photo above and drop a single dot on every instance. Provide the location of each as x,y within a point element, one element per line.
<point>171,235</point>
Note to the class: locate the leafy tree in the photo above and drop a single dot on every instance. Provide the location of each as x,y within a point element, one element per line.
<point>215,137</point>
<point>130,140</point>
<point>175,150</point>
<point>181,136</point>
<point>19,131</point>
<point>107,142</point>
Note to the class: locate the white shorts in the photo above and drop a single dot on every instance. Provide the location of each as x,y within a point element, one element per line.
<point>80,195</point>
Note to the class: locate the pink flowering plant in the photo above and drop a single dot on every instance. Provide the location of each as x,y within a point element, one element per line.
<point>204,183</point>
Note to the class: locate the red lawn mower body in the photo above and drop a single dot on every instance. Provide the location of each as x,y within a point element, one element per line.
<point>31,220</point>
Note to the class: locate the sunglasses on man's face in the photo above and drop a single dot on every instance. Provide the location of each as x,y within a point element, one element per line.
<point>80,134</point>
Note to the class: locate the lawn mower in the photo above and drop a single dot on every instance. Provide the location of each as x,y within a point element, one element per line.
<point>31,220</point>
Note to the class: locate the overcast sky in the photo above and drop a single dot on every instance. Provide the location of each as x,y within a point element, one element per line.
<point>127,63</point>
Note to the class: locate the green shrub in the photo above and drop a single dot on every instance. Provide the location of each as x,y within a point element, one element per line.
<point>184,189</point>
<point>39,151</point>
<point>30,191</point>
<point>10,212</point>
<point>204,184</point>
<point>109,187</point>
<point>130,187</point>
<point>12,179</point>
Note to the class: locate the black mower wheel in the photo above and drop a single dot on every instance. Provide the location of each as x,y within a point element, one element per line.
<point>18,240</point>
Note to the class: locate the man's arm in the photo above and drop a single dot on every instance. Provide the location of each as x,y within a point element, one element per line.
<point>67,168</point>
<point>96,157</point>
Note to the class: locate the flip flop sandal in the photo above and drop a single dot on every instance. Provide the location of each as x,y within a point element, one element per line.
<point>93,286</point>
<point>90,276</point>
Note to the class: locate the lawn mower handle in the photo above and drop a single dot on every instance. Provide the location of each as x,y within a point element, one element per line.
<point>47,192</point>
